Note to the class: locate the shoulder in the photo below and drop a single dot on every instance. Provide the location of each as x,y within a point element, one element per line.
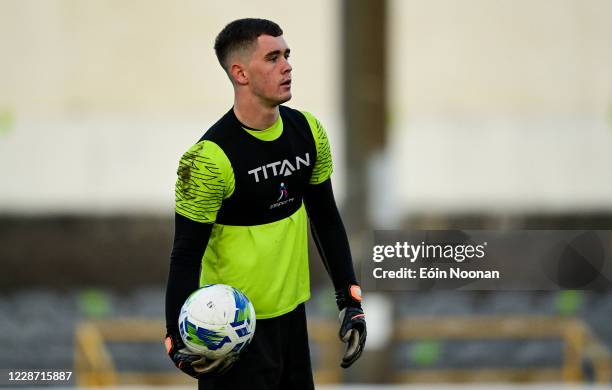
<point>204,161</point>
<point>318,131</point>
<point>323,167</point>
<point>207,155</point>
<point>312,120</point>
<point>203,150</point>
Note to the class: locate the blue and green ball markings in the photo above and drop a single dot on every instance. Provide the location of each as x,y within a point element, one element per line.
<point>201,336</point>
<point>242,313</point>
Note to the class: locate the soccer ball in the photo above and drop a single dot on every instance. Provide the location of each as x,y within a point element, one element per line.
<point>217,320</point>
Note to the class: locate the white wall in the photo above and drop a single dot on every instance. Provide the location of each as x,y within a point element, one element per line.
<point>500,106</point>
<point>495,106</point>
<point>105,96</point>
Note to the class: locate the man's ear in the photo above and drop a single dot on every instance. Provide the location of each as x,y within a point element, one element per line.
<point>238,74</point>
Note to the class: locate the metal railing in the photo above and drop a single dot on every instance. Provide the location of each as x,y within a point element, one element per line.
<point>579,345</point>
<point>94,364</point>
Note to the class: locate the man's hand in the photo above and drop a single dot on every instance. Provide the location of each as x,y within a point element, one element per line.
<point>193,364</point>
<point>352,324</point>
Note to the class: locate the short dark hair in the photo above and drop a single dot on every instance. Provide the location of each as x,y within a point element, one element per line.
<point>240,34</point>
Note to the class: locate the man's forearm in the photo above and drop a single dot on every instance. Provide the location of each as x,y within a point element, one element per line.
<point>190,240</point>
<point>329,234</point>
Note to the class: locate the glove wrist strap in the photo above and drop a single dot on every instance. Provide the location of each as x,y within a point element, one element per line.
<point>349,297</point>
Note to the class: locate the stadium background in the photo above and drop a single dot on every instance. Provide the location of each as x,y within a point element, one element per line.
<point>441,114</point>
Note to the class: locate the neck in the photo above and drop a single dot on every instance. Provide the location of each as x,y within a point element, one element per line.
<point>254,114</point>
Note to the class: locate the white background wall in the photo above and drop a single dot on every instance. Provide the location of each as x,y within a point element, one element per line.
<point>105,95</point>
<point>495,106</point>
<point>500,106</point>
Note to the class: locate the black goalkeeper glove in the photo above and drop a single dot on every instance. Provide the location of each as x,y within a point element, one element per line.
<point>193,364</point>
<point>352,323</point>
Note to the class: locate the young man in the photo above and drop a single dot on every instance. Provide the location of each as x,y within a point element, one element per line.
<point>242,198</point>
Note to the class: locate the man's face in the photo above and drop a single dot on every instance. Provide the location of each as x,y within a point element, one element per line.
<point>269,71</point>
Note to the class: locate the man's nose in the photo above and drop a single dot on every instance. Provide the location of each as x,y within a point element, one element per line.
<point>287,68</point>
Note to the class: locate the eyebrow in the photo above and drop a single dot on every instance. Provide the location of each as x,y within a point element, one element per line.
<point>276,52</point>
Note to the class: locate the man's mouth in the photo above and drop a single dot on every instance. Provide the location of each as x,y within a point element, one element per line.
<point>286,82</point>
